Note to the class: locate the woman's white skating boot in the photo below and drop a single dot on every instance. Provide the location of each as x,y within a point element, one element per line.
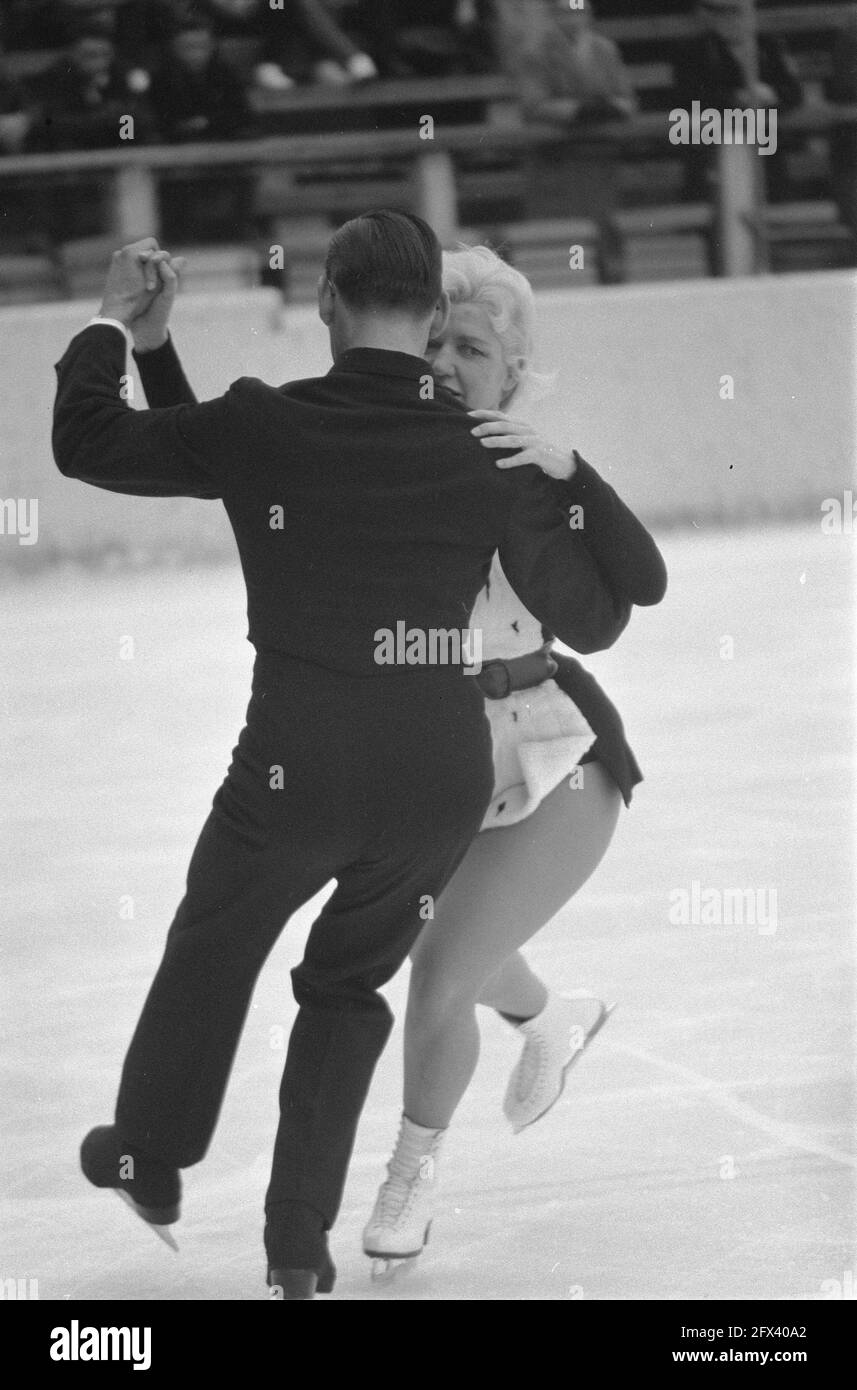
<point>553,1040</point>
<point>399,1225</point>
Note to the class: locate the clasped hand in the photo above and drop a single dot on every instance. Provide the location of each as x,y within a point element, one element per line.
<point>140,291</point>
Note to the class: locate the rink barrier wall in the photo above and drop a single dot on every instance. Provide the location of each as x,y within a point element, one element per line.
<point>640,390</point>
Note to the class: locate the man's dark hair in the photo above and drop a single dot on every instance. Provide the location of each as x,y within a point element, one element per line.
<point>386,260</point>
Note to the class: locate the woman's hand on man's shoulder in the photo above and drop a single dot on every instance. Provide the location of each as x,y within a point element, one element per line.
<point>496,430</point>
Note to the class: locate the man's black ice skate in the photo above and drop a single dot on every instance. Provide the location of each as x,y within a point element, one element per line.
<point>150,1188</point>
<point>299,1263</point>
<point>298,1285</point>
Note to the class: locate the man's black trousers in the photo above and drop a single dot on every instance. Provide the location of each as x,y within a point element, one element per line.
<point>380,782</point>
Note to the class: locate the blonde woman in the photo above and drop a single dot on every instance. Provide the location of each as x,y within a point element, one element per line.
<point>562,770</point>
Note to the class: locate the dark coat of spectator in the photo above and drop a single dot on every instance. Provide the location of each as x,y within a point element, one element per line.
<point>12,98</point>
<point>408,38</point>
<point>711,67</point>
<point>83,97</point>
<point>312,40</point>
<point>15,111</point>
<point>843,139</point>
<point>195,94</point>
<point>56,23</point>
<point>298,40</point>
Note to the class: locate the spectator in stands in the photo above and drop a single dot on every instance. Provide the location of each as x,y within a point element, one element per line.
<point>843,139</point>
<point>713,68</point>
<point>247,22</point>
<point>409,38</point>
<point>54,24</point>
<point>565,70</point>
<point>24,223</point>
<point>83,102</point>
<point>195,94</point>
<point>315,41</point>
<point>568,75</point>
<point>84,96</point>
<point>26,25</point>
<point>118,23</point>
<point>15,113</point>
<point>294,41</point>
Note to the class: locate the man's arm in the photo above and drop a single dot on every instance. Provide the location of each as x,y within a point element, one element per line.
<point>162,376</point>
<point>161,372</point>
<point>99,439</point>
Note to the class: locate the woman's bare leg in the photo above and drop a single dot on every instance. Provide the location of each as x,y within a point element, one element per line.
<point>514,989</point>
<point>511,882</point>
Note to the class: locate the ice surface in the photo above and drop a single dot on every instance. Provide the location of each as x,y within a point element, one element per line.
<point>703,1147</point>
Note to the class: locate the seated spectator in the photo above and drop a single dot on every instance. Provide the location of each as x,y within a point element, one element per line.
<point>314,41</point>
<point>119,24</point>
<point>82,103</point>
<point>843,139</point>
<point>24,224</point>
<point>195,94</point>
<point>566,70</point>
<point>247,20</point>
<point>713,68</point>
<point>27,25</point>
<point>295,40</point>
<point>84,95</point>
<point>567,74</point>
<point>55,24</point>
<point>409,38</point>
<point>15,112</point>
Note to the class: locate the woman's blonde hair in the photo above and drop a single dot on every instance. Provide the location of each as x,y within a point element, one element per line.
<point>477,275</point>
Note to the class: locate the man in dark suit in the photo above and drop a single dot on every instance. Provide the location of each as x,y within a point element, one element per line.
<point>359,501</point>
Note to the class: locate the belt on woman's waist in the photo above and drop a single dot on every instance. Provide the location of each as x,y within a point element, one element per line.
<point>497,679</point>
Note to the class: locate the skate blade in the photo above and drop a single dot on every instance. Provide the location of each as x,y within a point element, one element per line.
<point>387,1271</point>
<point>387,1268</point>
<point>596,1029</point>
<point>162,1231</point>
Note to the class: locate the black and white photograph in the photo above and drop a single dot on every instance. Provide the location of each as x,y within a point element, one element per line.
<point>427,520</point>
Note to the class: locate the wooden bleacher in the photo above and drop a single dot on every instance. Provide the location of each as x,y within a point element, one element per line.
<point>368,152</point>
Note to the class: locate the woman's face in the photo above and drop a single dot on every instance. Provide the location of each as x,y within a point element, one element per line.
<point>467,358</point>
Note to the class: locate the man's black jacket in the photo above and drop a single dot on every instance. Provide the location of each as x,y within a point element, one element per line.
<point>358,504</point>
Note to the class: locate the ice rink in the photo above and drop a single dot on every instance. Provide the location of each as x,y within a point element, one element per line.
<point>703,1148</point>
